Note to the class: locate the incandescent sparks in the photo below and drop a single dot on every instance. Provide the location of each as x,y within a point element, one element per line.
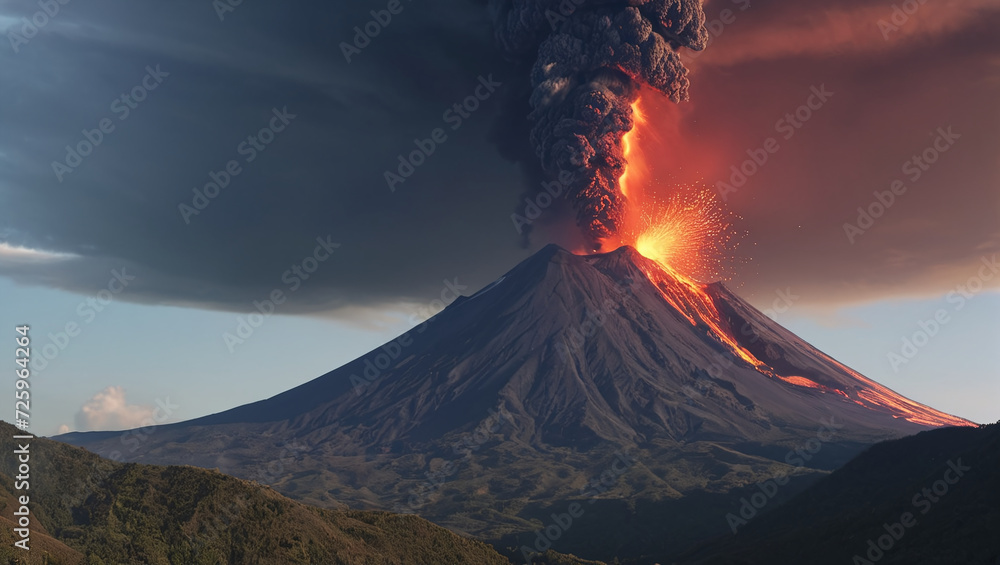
<point>689,233</point>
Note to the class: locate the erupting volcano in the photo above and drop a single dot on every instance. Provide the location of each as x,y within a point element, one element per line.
<point>588,66</point>
<point>509,397</point>
<point>592,65</point>
<point>570,359</point>
<point>590,69</point>
<point>577,351</point>
<point>679,225</point>
<point>581,353</point>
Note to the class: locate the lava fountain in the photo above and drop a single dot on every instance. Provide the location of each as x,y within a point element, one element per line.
<point>681,226</point>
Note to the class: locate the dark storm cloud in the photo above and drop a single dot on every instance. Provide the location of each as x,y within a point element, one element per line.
<point>342,125</point>
<point>324,173</point>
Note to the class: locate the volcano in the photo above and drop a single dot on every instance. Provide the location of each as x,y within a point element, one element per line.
<point>510,401</point>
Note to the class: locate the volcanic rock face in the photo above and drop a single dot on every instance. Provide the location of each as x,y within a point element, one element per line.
<point>524,390</point>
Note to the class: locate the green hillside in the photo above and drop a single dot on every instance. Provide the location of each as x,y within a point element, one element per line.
<point>88,510</point>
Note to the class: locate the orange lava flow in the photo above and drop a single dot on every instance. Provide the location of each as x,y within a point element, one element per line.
<point>910,410</point>
<point>630,148</point>
<point>802,381</point>
<point>690,299</point>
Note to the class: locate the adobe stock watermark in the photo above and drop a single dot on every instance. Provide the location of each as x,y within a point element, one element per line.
<point>121,107</point>
<point>133,439</point>
<point>913,168</point>
<point>290,451</point>
<point>561,523</point>
<point>720,366</point>
<point>787,126</point>
<point>899,16</point>
<point>250,148</point>
<point>87,311</point>
<point>924,501</point>
<point>927,329</point>
<point>565,9</point>
<point>781,304</point>
<point>533,206</point>
<point>29,27</point>
<point>551,190</point>
<point>364,34</point>
<point>576,337</point>
<point>455,116</point>
<point>223,7</point>
<point>463,447</point>
<point>769,489</point>
<point>386,356</point>
<point>292,280</point>
<point>222,519</point>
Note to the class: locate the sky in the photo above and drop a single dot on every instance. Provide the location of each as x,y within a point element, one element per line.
<point>165,98</point>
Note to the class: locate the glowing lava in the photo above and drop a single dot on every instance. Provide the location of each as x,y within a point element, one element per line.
<point>697,306</point>
<point>634,163</point>
<point>802,381</point>
<point>686,235</point>
<point>685,231</point>
<point>691,301</point>
<point>689,233</point>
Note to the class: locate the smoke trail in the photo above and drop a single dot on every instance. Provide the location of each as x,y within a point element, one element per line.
<point>590,58</point>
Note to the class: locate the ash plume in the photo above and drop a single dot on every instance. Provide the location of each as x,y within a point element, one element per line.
<point>589,58</point>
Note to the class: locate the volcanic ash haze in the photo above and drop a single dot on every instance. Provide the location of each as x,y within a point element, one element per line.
<point>588,63</point>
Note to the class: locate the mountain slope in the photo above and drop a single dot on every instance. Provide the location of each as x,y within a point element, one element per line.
<point>128,513</point>
<point>954,521</point>
<point>514,399</point>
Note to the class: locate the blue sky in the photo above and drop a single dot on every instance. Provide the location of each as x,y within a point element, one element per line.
<point>166,352</point>
<point>957,371</point>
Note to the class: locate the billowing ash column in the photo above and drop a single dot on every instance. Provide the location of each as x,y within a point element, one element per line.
<point>590,58</point>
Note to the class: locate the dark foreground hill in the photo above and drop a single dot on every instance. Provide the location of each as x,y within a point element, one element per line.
<point>932,498</point>
<point>88,510</point>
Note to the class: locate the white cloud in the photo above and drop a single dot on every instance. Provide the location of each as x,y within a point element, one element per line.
<point>109,410</point>
<point>14,254</point>
<point>63,429</point>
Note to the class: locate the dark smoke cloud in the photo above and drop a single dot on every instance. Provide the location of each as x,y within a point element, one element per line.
<point>452,219</point>
<point>589,60</point>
